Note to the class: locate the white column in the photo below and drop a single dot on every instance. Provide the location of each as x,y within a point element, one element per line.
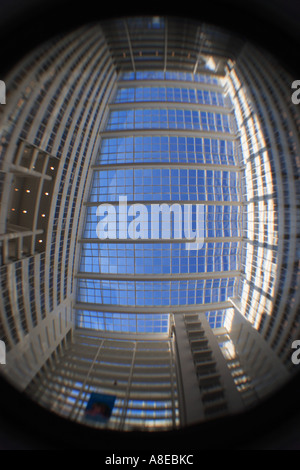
<point>191,408</point>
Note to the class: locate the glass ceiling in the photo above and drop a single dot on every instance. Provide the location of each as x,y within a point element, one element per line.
<point>183,149</point>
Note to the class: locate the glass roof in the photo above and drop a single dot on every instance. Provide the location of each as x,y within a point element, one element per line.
<point>138,162</point>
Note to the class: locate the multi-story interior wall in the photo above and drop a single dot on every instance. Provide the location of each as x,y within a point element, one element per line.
<point>55,102</point>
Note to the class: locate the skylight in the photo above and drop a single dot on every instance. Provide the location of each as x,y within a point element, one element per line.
<point>157,155</point>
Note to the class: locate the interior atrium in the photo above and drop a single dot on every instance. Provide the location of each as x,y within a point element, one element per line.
<point>162,332</point>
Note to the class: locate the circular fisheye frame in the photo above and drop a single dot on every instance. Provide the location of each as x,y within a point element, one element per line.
<point>149,224</point>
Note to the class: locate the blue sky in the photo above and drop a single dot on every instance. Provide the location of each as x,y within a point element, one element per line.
<point>199,184</point>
